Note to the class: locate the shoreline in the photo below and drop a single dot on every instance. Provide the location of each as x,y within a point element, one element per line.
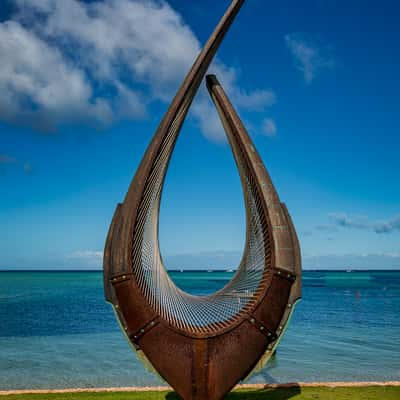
<point>168,388</point>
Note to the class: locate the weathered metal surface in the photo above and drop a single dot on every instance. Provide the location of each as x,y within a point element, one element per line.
<point>202,346</point>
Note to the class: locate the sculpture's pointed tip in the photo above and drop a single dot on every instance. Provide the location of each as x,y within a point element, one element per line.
<point>237,2</point>
<point>211,80</point>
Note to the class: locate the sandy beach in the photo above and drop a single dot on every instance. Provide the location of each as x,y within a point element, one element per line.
<point>168,388</point>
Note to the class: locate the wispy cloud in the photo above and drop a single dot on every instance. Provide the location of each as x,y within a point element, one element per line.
<point>269,127</point>
<point>6,159</point>
<point>201,260</point>
<point>390,225</point>
<point>326,228</point>
<point>384,226</point>
<point>101,61</point>
<point>353,261</point>
<point>84,258</point>
<point>221,260</point>
<point>309,55</point>
<point>343,220</point>
<point>27,167</point>
<point>87,255</point>
<point>204,260</point>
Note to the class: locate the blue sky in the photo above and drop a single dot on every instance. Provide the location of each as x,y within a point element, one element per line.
<point>83,86</point>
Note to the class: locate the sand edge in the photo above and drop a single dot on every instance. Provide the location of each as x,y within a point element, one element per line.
<point>167,388</point>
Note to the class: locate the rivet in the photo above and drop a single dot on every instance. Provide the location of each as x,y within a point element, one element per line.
<point>135,337</point>
<point>126,328</point>
<point>116,306</point>
<point>124,277</point>
<point>281,327</point>
<point>152,323</point>
<point>252,321</point>
<point>261,328</point>
<point>289,305</point>
<point>279,272</point>
<point>142,331</point>
<point>269,333</point>
<point>289,276</point>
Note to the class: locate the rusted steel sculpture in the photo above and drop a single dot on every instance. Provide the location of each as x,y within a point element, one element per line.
<point>203,346</point>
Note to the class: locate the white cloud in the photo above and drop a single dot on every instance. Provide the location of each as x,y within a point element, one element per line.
<point>87,255</point>
<point>269,127</point>
<point>37,85</point>
<point>84,258</point>
<point>309,56</point>
<point>72,61</point>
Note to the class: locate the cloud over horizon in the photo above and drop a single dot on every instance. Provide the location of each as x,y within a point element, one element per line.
<point>384,226</point>
<point>74,62</point>
<point>217,260</point>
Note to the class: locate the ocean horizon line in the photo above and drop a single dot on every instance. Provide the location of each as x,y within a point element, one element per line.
<point>209,270</point>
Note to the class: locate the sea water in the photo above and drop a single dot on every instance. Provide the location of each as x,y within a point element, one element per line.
<point>56,330</point>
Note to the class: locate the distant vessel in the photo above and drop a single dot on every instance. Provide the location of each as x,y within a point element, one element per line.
<point>229,270</point>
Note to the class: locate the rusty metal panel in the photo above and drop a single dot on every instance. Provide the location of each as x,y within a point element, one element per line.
<point>171,354</point>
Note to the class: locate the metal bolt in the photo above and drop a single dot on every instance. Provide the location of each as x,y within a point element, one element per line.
<point>124,277</point>
<point>289,305</point>
<point>142,331</point>
<point>116,306</point>
<point>261,328</point>
<point>252,321</point>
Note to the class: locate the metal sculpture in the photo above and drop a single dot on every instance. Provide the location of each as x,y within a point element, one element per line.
<point>202,346</point>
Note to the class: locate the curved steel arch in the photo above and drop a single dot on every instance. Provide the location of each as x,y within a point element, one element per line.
<point>202,346</point>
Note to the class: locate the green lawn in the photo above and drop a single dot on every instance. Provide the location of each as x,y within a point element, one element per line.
<point>305,393</point>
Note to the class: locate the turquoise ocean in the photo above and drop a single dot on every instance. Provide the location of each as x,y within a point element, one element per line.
<point>56,330</point>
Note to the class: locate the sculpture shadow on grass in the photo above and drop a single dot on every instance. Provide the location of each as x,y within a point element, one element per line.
<point>284,393</point>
